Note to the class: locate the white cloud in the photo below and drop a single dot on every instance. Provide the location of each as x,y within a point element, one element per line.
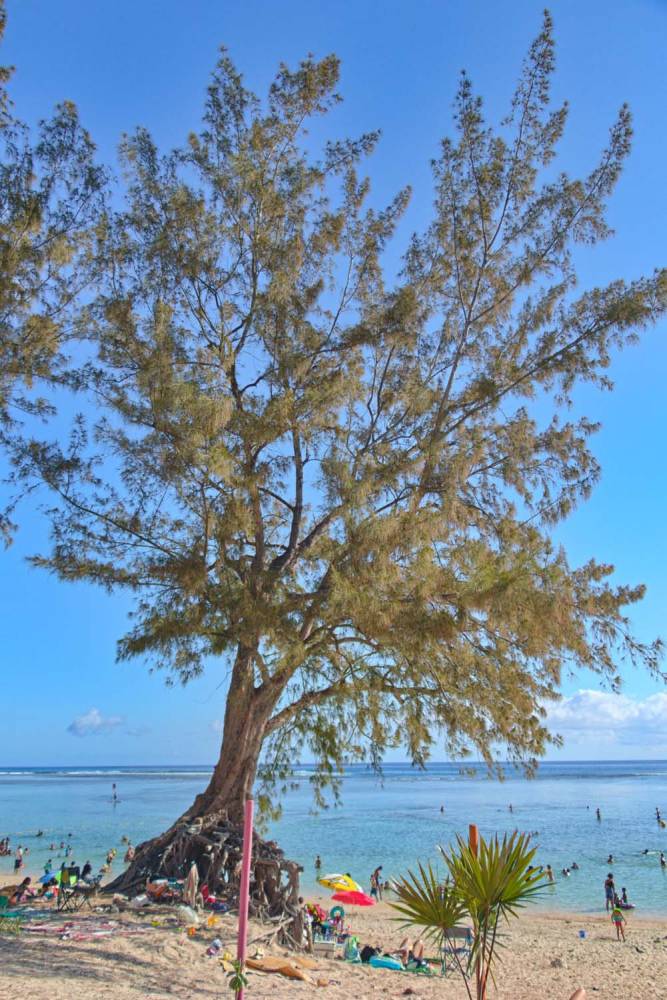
<point>93,722</point>
<point>602,718</point>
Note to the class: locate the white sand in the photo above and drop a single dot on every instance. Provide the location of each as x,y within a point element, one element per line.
<point>166,963</point>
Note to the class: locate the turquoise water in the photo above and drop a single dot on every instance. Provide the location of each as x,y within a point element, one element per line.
<point>393,822</point>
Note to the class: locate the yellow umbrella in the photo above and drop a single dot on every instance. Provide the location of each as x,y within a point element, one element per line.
<point>340,882</point>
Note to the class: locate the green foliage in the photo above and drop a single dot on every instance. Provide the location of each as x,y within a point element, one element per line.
<point>424,902</point>
<point>492,884</point>
<point>334,485</point>
<point>484,888</point>
<point>50,194</point>
<point>237,978</point>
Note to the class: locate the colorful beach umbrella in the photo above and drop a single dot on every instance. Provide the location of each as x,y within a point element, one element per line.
<point>356,898</point>
<point>339,883</point>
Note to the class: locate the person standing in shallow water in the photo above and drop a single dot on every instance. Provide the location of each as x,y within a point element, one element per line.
<point>609,892</point>
<point>318,863</point>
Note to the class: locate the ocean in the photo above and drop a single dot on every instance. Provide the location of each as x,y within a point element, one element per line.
<point>394,821</point>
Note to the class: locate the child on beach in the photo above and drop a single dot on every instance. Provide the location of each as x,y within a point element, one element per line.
<point>618,920</point>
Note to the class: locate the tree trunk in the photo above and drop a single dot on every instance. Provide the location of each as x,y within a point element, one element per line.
<point>246,715</point>
<point>210,832</point>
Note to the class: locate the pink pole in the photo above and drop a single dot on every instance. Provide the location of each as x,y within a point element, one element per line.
<point>244,894</point>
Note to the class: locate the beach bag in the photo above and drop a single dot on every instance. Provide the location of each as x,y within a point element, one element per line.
<point>351,950</point>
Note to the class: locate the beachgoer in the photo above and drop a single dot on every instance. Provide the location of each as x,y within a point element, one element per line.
<point>565,872</point>
<point>663,863</point>
<point>597,813</point>
<point>48,866</point>
<point>318,863</point>
<point>442,809</point>
<point>47,890</point>
<point>609,890</point>
<point>624,896</point>
<point>21,892</point>
<point>511,810</point>
<point>129,854</point>
<point>645,851</point>
<point>618,920</point>
<point>574,866</point>
<point>376,882</point>
<point>610,859</point>
<point>411,954</point>
<point>114,793</point>
<point>549,873</point>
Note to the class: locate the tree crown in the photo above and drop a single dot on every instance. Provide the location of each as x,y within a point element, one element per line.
<point>340,475</point>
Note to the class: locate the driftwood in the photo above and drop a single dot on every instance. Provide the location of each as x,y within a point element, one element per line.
<point>215,846</point>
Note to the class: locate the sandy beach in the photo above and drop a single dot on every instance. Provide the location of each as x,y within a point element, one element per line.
<point>544,958</point>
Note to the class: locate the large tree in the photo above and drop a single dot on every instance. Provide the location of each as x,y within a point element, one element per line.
<point>334,479</point>
<point>50,193</point>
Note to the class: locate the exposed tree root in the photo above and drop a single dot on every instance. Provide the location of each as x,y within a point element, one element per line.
<point>215,845</point>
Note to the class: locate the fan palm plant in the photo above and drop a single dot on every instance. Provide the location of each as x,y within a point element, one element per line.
<point>426,903</point>
<point>486,886</point>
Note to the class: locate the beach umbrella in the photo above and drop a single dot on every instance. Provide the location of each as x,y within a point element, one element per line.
<point>48,876</point>
<point>339,883</point>
<point>355,898</point>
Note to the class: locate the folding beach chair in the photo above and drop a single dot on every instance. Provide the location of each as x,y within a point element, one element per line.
<point>452,950</point>
<point>68,898</point>
<point>84,892</point>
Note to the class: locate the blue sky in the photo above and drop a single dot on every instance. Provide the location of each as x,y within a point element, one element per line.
<point>129,63</point>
